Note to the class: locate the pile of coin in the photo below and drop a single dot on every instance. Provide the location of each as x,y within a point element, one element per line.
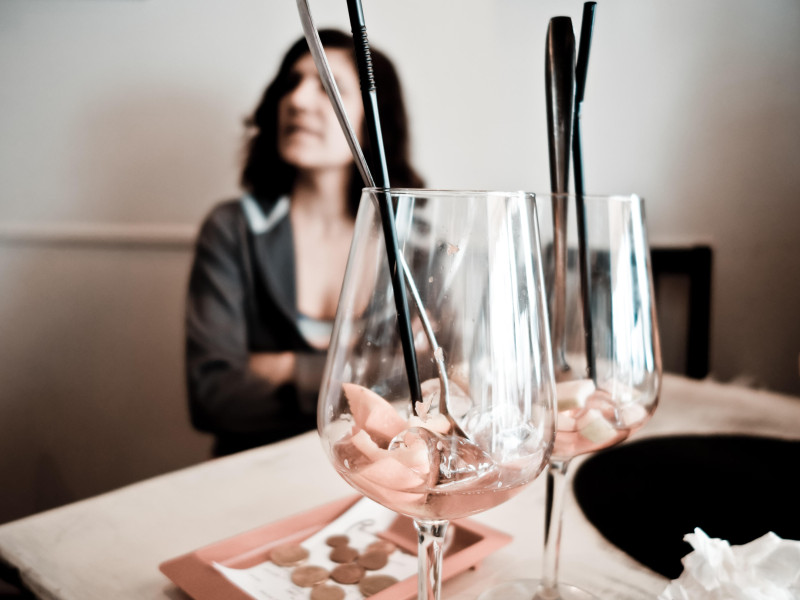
<point>351,568</point>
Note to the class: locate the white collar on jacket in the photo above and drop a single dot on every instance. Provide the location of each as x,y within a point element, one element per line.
<point>257,220</point>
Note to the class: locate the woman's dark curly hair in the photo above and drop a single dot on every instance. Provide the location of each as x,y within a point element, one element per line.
<point>267,177</point>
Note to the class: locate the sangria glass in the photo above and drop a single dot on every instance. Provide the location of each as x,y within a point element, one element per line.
<point>485,424</point>
<point>605,393</point>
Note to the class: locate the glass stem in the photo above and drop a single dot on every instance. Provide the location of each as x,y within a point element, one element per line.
<point>554,509</point>
<point>430,535</point>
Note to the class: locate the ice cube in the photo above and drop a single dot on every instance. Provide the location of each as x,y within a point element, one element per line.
<point>461,461</point>
<point>566,422</point>
<point>594,427</point>
<point>573,394</point>
<point>459,402</point>
<point>633,414</point>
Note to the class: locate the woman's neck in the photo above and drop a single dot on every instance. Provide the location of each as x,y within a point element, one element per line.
<point>323,191</point>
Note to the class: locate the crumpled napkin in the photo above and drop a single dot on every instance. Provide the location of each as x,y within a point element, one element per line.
<point>768,568</point>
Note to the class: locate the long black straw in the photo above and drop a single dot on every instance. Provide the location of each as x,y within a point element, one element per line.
<point>577,160</point>
<point>369,94</point>
<point>377,155</point>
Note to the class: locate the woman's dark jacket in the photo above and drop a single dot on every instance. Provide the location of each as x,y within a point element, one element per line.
<point>242,299</point>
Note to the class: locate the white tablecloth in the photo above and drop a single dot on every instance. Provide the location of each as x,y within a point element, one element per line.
<point>110,546</point>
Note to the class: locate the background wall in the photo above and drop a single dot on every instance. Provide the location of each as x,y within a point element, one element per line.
<point>120,126</point>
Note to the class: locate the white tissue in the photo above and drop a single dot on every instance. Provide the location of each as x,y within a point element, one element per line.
<point>767,568</point>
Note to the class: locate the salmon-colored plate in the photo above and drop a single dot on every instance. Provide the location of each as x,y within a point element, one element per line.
<point>194,573</point>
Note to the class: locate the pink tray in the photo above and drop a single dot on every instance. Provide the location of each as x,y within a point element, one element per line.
<point>194,574</point>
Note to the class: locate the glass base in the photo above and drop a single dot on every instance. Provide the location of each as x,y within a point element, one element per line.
<point>528,589</point>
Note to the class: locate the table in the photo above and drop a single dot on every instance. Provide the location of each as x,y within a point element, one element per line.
<point>110,546</point>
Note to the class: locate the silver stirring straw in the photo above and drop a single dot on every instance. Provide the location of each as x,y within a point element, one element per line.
<point>383,202</point>
<point>329,83</point>
<point>560,84</point>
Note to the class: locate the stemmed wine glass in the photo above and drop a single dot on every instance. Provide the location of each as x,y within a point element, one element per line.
<point>486,422</point>
<point>605,393</point>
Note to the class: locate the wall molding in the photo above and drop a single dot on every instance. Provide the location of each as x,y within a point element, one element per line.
<point>145,235</point>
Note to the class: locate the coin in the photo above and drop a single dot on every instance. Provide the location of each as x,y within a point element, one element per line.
<point>343,554</point>
<point>288,555</point>
<point>372,560</point>
<point>349,573</point>
<point>375,583</point>
<point>327,592</point>
<point>337,540</point>
<point>384,546</point>
<point>309,575</point>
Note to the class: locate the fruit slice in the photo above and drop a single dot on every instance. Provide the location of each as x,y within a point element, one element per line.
<point>433,422</point>
<point>373,414</point>
<point>364,444</point>
<point>392,474</point>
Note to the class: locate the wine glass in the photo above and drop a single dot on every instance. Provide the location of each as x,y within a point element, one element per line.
<point>608,392</point>
<point>485,424</point>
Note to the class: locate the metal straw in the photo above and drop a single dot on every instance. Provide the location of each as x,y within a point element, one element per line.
<point>384,201</point>
<point>329,83</point>
<point>560,86</point>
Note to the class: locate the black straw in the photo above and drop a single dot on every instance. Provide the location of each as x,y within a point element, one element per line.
<point>577,160</point>
<point>582,64</point>
<point>377,155</point>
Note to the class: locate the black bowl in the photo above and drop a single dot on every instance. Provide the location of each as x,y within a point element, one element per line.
<point>644,496</point>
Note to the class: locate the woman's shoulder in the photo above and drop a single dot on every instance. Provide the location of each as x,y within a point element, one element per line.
<point>223,222</point>
<point>225,211</point>
<point>230,218</point>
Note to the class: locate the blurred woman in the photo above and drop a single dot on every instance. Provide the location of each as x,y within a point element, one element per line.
<point>268,267</point>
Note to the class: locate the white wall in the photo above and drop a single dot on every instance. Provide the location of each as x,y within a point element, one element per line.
<point>121,119</point>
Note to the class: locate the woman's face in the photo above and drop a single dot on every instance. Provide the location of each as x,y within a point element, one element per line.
<point>309,135</point>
